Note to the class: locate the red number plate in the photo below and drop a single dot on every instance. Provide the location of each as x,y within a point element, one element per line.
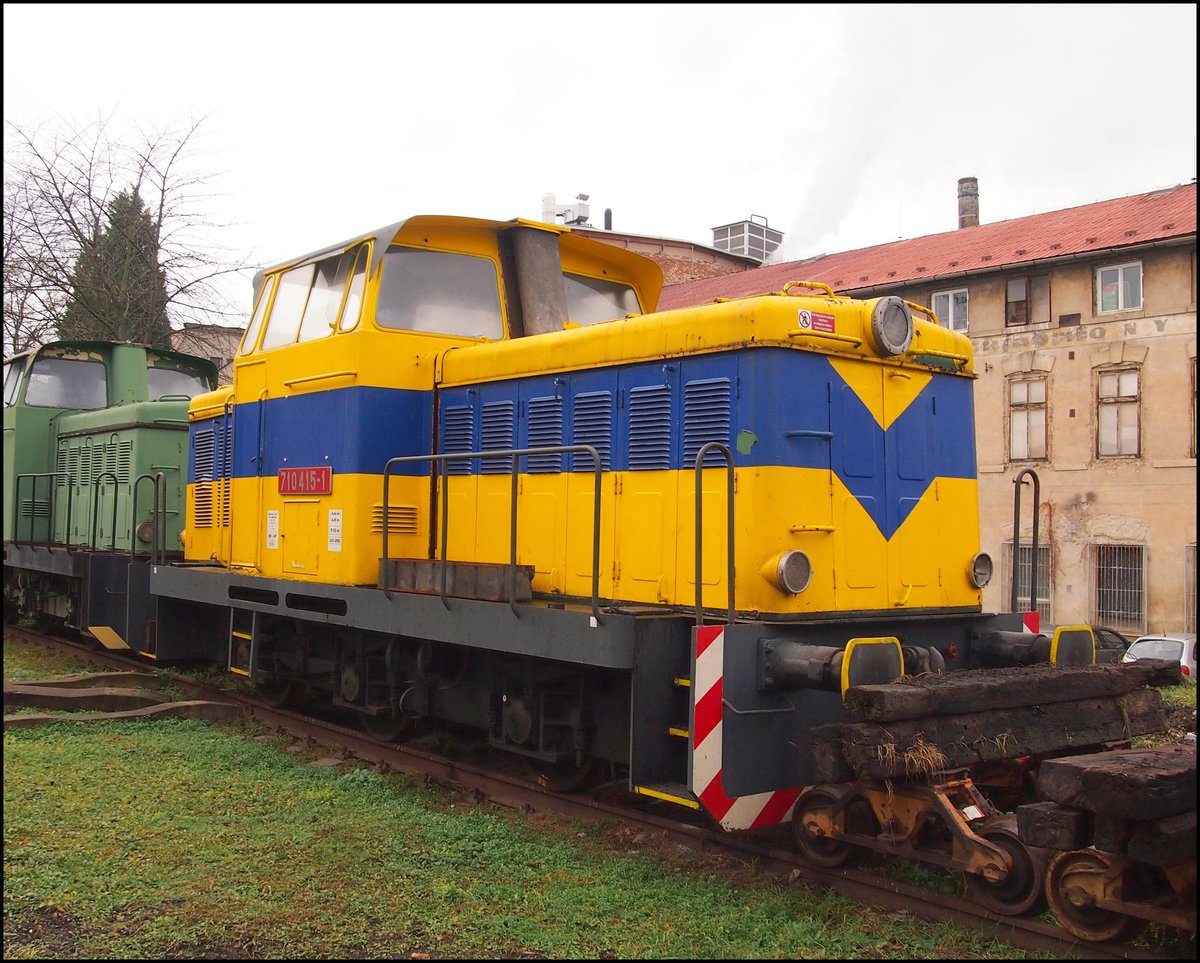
<point>306,481</point>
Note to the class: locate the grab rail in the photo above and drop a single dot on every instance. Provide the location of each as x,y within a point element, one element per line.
<point>516,454</point>
<point>158,514</point>
<point>704,450</point>
<point>1033,565</point>
<point>96,507</point>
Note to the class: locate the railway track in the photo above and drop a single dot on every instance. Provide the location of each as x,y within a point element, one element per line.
<point>484,782</point>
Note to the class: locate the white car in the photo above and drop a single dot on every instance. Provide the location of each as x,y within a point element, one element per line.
<point>1166,645</point>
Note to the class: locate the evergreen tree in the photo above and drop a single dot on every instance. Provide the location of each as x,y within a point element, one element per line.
<point>118,288</point>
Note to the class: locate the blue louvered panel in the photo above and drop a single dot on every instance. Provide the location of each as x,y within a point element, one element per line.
<point>650,427</point>
<point>545,428</point>
<point>457,435</point>
<point>224,468</point>
<point>203,451</point>
<point>496,432</point>
<point>707,416</point>
<point>593,425</point>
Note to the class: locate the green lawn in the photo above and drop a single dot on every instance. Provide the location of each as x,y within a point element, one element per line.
<point>178,839</point>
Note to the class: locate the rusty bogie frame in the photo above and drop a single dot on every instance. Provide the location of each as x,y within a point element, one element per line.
<point>945,821</point>
<point>1098,896</point>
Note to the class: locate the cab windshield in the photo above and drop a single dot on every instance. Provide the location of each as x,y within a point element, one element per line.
<point>66,383</point>
<point>173,381</point>
<point>593,299</point>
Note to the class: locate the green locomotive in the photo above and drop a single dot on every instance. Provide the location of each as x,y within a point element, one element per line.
<point>95,437</point>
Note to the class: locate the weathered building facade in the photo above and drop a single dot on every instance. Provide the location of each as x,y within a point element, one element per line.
<point>1084,328</point>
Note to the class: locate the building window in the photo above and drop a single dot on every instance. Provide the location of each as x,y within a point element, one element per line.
<point>951,308</point>
<point>1189,587</point>
<point>1119,586</point>
<point>1118,402</point>
<point>1045,580</point>
<point>1119,287</point>
<point>1027,419</point>
<point>1027,300</point>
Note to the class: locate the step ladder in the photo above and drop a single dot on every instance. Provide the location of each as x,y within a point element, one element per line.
<point>676,791</point>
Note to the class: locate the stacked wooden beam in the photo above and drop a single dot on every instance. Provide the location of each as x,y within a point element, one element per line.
<point>922,724</point>
<point>1139,802</point>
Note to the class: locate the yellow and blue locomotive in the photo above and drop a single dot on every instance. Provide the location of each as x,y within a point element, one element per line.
<point>465,473</point>
<point>467,476</point>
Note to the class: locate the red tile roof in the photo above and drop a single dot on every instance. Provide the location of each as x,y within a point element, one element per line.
<point>1105,225</point>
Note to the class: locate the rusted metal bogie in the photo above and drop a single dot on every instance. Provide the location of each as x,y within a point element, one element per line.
<point>1106,897</point>
<point>946,822</point>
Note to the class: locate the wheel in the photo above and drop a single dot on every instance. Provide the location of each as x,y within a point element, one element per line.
<point>813,844</point>
<point>1021,892</point>
<point>561,776</point>
<point>276,693</point>
<point>387,728</point>
<point>1071,904</point>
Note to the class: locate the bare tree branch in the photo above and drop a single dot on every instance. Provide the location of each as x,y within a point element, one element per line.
<point>59,184</point>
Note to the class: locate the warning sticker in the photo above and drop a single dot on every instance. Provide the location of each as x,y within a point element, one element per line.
<point>335,529</point>
<point>815,321</point>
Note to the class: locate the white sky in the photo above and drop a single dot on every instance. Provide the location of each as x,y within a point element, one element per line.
<point>843,125</point>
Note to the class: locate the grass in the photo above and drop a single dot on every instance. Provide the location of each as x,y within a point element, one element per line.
<point>177,839</point>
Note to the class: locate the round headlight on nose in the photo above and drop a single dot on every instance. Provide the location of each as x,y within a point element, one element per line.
<point>891,326</point>
<point>793,572</point>
<point>981,570</point>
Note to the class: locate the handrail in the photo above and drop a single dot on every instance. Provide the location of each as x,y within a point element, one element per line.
<point>158,494</point>
<point>96,507</point>
<point>52,506</point>
<point>325,376</point>
<point>515,453</point>
<point>700,455</point>
<point>1018,481</point>
<point>849,339</point>
<point>815,285</point>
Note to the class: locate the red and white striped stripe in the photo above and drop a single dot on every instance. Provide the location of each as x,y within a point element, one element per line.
<point>732,812</point>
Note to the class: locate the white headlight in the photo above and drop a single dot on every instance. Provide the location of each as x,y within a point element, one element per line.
<point>981,570</point>
<point>793,572</point>
<point>891,326</point>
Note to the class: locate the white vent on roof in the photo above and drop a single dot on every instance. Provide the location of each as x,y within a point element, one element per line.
<point>752,238</point>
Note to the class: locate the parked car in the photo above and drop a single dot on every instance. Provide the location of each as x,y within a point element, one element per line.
<point>1166,645</point>
<point>1110,644</point>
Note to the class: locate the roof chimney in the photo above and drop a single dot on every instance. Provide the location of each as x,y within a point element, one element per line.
<point>608,219</point>
<point>968,202</point>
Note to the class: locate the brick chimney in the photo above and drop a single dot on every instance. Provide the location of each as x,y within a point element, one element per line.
<point>968,202</point>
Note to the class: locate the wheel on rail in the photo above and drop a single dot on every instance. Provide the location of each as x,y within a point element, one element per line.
<point>1069,880</point>
<point>817,807</point>
<point>1022,891</point>
<point>561,776</point>
<point>276,693</point>
<point>387,728</point>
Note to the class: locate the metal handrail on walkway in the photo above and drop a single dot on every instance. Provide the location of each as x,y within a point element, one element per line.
<point>516,454</point>
<point>52,506</point>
